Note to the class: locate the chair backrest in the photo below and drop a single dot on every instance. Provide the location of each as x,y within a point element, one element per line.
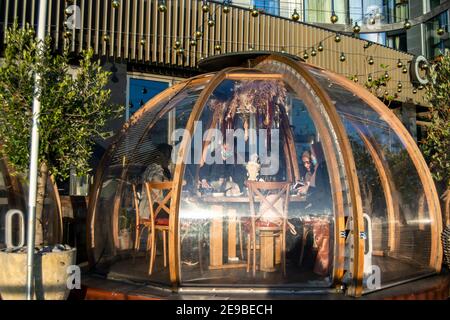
<point>274,205</point>
<point>155,194</point>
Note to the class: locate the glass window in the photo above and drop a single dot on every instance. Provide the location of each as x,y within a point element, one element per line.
<point>433,4</point>
<point>320,11</point>
<point>397,41</point>
<point>142,90</point>
<point>397,11</point>
<point>436,44</point>
<point>375,37</point>
<point>268,6</point>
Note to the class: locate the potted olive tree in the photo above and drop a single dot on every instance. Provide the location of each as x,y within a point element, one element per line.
<point>73,110</point>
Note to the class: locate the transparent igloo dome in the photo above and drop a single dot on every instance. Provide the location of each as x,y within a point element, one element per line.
<point>275,176</point>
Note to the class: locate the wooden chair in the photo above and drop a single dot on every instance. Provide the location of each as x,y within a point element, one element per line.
<point>278,191</point>
<point>158,223</point>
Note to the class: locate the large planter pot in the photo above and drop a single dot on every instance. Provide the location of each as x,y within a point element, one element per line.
<point>50,271</point>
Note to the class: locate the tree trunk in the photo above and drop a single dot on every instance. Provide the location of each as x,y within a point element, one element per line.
<point>40,197</point>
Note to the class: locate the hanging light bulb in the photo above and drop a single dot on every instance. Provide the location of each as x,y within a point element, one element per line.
<point>414,91</point>
<point>386,92</point>
<point>420,87</point>
<point>193,42</point>
<point>211,22</point>
<point>295,15</point>
<point>250,48</point>
<point>162,6</point>
<point>68,11</point>
<point>399,85</point>
<point>320,47</point>
<point>404,70</point>
<point>355,78</point>
<point>198,34</point>
<point>440,31</point>
<point>366,45</point>
<point>369,78</point>
<point>177,44</point>
<point>283,50</point>
<point>254,12</point>
<point>218,47</point>
<point>424,66</point>
<point>337,38</point>
<point>225,8</point>
<point>356,28</point>
<point>180,51</point>
<point>407,25</point>
<point>342,57</point>
<point>305,55</point>
<point>399,90</point>
<point>205,7</point>
<point>142,42</point>
<point>399,63</point>
<point>370,61</point>
<point>105,37</point>
<point>116,4</point>
<point>67,34</point>
<point>334,18</point>
<point>313,52</point>
<point>372,20</point>
<point>386,75</point>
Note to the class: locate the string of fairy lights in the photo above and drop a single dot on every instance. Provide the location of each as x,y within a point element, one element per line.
<point>305,52</point>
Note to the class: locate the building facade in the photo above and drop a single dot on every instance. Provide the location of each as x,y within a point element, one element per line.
<point>381,21</point>
<point>149,45</point>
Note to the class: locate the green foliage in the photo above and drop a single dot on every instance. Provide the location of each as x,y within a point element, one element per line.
<point>73,108</point>
<point>436,145</point>
<point>378,87</point>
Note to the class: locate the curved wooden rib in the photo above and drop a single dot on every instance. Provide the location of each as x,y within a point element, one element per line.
<point>392,207</point>
<point>419,162</point>
<point>291,151</point>
<point>333,166</point>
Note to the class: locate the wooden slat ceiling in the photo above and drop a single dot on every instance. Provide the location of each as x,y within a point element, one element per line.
<point>138,32</point>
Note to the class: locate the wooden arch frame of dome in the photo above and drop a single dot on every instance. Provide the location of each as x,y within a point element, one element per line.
<point>337,152</point>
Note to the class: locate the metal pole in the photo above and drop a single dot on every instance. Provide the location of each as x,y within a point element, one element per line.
<point>34,159</point>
